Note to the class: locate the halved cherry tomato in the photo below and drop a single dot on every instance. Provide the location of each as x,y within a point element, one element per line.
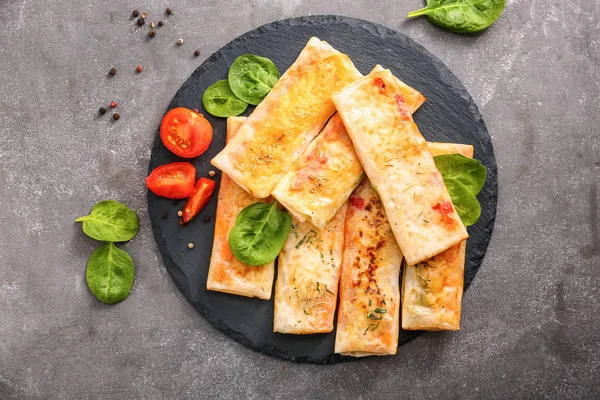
<point>198,199</point>
<point>185,132</point>
<point>174,181</point>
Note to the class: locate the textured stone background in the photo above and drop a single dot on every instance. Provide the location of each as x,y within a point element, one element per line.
<point>530,326</point>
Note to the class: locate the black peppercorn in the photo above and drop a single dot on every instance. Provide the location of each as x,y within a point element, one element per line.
<point>197,53</point>
<point>160,23</point>
<point>135,13</point>
<point>169,11</point>
<point>112,72</point>
<point>102,111</point>
<point>116,116</point>
<point>207,219</point>
<point>141,21</point>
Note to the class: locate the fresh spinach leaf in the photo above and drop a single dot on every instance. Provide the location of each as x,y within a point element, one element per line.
<point>219,100</point>
<point>109,274</point>
<point>464,177</point>
<point>468,171</point>
<point>464,201</point>
<point>110,221</point>
<point>252,77</point>
<point>462,16</point>
<point>259,233</point>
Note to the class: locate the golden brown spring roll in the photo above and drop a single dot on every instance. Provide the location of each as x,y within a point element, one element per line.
<point>226,273</point>
<point>368,315</point>
<point>432,289</point>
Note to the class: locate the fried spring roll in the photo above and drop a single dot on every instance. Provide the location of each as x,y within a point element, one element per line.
<point>400,167</point>
<point>368,315</point>
<point>432,290</point>
<point>308,273</point>
<point>226,273</point>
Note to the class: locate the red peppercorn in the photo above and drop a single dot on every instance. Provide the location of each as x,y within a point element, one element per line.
<point>113,104</point>
<point>138,69</point>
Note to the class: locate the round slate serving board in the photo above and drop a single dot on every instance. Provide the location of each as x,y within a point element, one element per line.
<point>448,115</point>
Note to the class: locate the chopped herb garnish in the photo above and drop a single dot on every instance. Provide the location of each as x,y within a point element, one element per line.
<point>380,310</point>
<point>370,302</point>
<point>373,316</point>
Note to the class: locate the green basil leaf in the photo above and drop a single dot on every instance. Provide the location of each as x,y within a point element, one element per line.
<point>464,201</point>
<point>252,77</point>
<point>468,171</point>
<point>259,233</point>
<point>109,274</point>
<point>462,16</point>
<point>110,221</point>
<point>219,100</point>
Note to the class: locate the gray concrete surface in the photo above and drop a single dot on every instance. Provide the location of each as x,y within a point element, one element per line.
<point>530,326</point>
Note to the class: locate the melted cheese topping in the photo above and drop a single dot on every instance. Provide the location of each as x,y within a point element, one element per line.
<point>432,290</point>
<point>226,273</point>
<point>399,165</point>
<point>323,178</point>
<point>287,120</point>
<point>368,314</point>
<point>307,277</point>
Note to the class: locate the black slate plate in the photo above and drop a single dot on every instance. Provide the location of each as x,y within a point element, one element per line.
<point>448,115</point>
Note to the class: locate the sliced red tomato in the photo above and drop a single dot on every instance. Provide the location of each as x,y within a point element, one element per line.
<point>185,132</point>
<point>198,199</point>
<point>174,181</point>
